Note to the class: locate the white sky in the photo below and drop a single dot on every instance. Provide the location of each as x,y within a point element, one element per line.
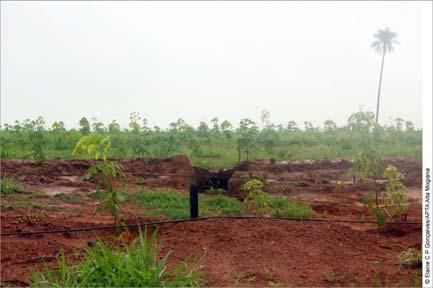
<point>196,60</point>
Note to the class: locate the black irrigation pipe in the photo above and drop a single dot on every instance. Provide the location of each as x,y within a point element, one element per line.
<point>72,230</point>
<point>331,181</point>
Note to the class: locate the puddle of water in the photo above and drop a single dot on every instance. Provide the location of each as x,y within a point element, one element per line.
<point>69,178</point>
<point>52,191</point>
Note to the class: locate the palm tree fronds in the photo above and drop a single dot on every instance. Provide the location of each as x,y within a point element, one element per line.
<point>385,39</point>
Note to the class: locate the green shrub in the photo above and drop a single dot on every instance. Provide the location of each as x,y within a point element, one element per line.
<point>9,185</point>
<point>136,266</point>
<point>265,205</point>
<point>38,144</point>
<point>257,200</point>
<point>107,173</point>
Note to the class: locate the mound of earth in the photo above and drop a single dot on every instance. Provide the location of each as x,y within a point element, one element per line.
<point>173,172</point>
<point>316,175</point>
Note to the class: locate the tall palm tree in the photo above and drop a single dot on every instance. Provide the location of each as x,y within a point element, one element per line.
<point>383,44</point>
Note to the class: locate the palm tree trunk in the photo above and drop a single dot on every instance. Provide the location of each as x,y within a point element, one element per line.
<point>380,86</point>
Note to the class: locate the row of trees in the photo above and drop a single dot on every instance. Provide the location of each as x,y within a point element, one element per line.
<point>140,140</point>
<point>140,125</point>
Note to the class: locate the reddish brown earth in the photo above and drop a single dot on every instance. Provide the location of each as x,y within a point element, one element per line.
<point>174,172</point>
<point>321,175</point>
<point>251,252</point>
<point>244,252</point>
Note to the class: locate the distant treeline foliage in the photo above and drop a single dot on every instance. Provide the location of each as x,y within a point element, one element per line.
<point>214,144</point>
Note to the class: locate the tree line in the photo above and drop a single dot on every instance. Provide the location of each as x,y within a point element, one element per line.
<point>32,139</point>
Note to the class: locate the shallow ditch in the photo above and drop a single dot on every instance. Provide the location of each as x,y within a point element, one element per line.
<point>207,179</point>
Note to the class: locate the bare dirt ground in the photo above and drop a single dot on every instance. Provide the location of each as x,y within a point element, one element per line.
<point>249,252</point>
<point>174,172</point>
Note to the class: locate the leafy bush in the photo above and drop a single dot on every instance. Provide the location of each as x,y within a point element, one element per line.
<point>392,202</point>
<point>106,172</point>
<point>137,266</point>
<point>38,144</point>
<point>95,146</point>
<point>9,185</point>
<point>256,200</point>
<point>265,205</point>
<point>395,192</point>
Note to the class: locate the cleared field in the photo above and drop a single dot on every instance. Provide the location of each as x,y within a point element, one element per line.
<point>224,252</point>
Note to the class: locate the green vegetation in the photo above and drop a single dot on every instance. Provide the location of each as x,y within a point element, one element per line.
<point>9,185</point>
<point>257,200</point>
<point>410,258</point>
<point>71,198</point>
<point>395,193</point>
<point>220,145</point>
<point>175,205</point>
<point>107,173</point>
<point>263,204</point>
<point>368,165</point>
<point>216,191</point>
<point>137,265</point>
<point>15,203</point>
<point>43,206</point>
<point>283,207</point>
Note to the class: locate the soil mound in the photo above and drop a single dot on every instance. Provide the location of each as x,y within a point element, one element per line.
<point>174,172</point>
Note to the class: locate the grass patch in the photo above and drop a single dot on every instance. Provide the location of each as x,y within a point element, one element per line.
<point>9,186</point>
<point>15,203</point>
<point>70,198</point>
<point>137,265</point>
<point>283,207</point>
<point>410,258</point>
<point>219,205</point>
<point>175,205</point>
<point>38,194</point>
<point>42,206</point>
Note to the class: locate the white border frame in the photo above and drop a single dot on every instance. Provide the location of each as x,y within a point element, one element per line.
<point>426,54</point>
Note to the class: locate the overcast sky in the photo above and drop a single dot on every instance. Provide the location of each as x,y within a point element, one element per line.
<point>196,60</point>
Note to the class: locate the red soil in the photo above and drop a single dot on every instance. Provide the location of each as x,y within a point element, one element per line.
<point>228,252</point>
<point>243,252</point>
<point>174,172</point>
